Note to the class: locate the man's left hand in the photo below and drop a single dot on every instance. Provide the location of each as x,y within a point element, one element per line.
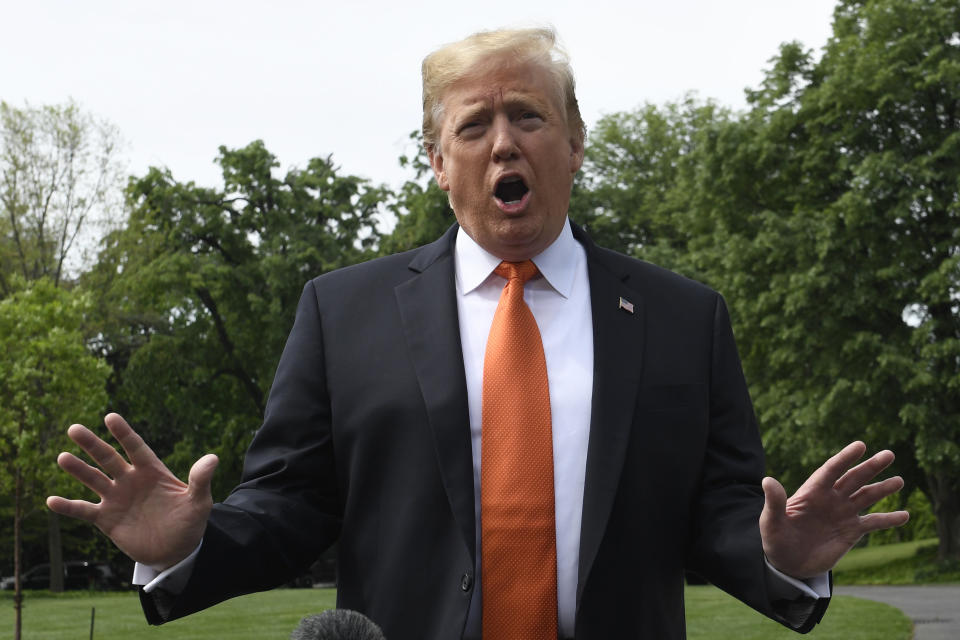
<point>807,534</point>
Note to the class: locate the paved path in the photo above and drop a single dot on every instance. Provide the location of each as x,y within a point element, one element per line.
<point>934,609</point>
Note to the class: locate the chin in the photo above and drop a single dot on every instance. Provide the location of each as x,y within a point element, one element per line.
<point>517,247</point>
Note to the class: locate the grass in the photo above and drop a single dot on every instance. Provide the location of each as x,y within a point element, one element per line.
<point>273,615</point>
<point>902,563</point>
<point>260,616</point>
<point>713,615</point>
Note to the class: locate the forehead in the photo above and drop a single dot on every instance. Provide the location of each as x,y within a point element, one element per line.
<point>493,85</point>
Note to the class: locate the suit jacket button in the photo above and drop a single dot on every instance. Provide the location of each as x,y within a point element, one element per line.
<point>466,581</point>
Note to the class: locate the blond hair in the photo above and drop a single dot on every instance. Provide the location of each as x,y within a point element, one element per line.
<point>486,50</point>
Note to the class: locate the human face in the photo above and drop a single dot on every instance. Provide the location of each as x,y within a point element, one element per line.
<point>507,159</point>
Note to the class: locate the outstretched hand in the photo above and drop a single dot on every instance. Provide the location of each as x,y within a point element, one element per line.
<point>808,533</point>
<point>147,511</point>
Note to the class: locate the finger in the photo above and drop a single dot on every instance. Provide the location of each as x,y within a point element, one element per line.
<point>831,470</point>
<point>775,502</point>
<point>852,480</point>
<point>101,452</point>
<point>201,476</point>
<point>877,521</point>
<point>869,495</point>
<point>138,452</point>
<point>80,509</point>
<point>88,476</point>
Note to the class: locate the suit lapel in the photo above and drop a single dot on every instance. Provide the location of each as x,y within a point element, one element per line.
<point>618,336</point>
<point>428,311</point>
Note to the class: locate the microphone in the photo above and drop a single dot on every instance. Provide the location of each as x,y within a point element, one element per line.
<point>337,624</point>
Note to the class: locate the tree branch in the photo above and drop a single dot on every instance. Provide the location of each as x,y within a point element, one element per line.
<point>253,389</point>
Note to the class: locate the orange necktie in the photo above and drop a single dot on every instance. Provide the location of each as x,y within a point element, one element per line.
<point>518,530</point>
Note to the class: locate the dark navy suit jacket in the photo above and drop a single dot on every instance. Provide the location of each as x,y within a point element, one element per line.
<point>366,440</point>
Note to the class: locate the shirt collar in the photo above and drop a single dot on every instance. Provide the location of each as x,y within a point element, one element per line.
<point>557,263</point>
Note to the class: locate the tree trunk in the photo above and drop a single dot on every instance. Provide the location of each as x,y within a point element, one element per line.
<point>17,522</point>
<point>945,494</point>
<point>56,552</point>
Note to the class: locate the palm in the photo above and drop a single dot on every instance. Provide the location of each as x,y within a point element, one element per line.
<point>148,512</point>
<point>808,533</point>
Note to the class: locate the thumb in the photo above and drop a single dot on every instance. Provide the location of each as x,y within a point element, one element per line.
<point>775,502</point>
<point>201,476</point>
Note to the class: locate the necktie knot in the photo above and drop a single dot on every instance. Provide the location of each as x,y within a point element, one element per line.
<point>514,270</point>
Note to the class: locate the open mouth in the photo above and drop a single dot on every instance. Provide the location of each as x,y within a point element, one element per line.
<point>511,190</point>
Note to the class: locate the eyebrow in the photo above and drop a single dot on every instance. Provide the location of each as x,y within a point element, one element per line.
<point>481,105</point>
<point>527,100</point>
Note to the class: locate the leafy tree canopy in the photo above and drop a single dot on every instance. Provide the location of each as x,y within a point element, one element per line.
<point>200,288</point>
<point>828,214</point>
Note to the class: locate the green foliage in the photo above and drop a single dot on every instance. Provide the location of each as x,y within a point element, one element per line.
<point>50,379</point>
<point>868,331</point>
<point>422,210</point>
<point>199,291</point>
<point>636,192</point>
<point>922,524</point>
<point>828,215</point>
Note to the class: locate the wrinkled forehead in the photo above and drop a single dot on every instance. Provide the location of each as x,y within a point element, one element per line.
<point>497,82</point>
<point>487,98</point>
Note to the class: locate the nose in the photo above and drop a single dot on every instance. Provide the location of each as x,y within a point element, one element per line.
<point>504,143</point>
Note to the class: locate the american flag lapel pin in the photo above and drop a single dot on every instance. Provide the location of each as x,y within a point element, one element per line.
<point>626,305</point>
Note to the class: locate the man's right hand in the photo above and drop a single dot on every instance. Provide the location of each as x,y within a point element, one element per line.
<point>147,511</point>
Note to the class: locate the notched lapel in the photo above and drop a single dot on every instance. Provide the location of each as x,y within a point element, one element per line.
<point>428,310</point>
<point>618,336</point>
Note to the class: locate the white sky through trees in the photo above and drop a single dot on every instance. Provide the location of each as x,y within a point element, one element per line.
<point>314,78</point>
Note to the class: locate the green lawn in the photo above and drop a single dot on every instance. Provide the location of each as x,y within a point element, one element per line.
<point>273,615</point>
<point>260,616</point>
<point>902,563</point>
<point>711,614</point>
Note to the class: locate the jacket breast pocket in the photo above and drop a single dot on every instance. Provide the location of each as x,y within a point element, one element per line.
<point>672,426</point>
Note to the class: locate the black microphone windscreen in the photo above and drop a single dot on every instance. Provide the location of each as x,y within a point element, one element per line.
<point>337,624</point>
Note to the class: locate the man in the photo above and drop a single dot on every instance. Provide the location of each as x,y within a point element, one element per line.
<point>385,425</point>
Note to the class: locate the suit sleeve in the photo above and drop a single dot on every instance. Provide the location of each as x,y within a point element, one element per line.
<point>726,547</point>
<point>287,509</point>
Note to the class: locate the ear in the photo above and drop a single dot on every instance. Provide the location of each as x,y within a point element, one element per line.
<point>576,154</point>
<point>436,163</point>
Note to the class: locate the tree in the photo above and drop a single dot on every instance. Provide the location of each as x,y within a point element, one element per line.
<point>59,186</point>
<point>202,285</point>
<point>827,214</point>
<point>59,179</point>
<point>638,188</point>
<point>422,210</point>
<point>863,147</point>
<point>50,378</point>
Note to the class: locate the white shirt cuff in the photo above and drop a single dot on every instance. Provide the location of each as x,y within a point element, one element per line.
<point>172,579</point>
<point>785,587</point>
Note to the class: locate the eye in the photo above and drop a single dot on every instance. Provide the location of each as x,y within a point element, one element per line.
<point>529,120</point>
<point>470,127</point>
